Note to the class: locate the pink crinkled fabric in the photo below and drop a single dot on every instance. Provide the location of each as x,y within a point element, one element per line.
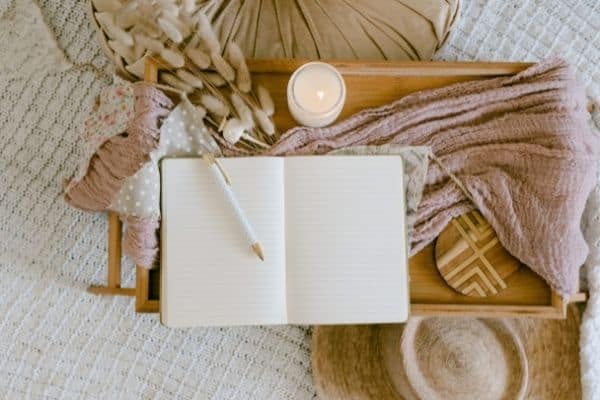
<point>140,241</point>
<point>121,155</point>
<point>521,145</point>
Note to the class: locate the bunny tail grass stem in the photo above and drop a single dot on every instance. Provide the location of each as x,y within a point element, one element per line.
<point>222,124</point>
<point>255,141</point>
<point>207,83</point>
<point>248,144</point>
<point>252,102</point>
<point>167,88</point>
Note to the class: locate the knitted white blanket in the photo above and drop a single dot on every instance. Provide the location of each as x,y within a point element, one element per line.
<point>57,341</point>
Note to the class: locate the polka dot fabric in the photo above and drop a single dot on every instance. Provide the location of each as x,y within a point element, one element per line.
<point>183,134</point>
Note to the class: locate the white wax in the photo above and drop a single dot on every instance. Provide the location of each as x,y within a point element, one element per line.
<point>316,94</point>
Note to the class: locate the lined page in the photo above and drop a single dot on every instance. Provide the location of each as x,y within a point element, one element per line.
<point>210,276</point>
<point>346,240</point>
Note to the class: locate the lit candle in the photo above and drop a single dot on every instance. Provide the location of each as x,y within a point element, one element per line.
<point>316,93</point>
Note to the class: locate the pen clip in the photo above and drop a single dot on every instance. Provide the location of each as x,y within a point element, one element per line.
<point>210,159</point>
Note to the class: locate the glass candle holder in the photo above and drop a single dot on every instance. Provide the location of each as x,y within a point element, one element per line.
<point>316,93</point>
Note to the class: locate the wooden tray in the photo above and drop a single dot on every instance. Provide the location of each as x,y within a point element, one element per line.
<point>371,84</point>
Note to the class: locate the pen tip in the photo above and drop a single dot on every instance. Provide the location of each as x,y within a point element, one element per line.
<point>258,250</point>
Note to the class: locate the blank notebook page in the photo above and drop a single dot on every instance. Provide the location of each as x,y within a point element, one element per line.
<point>346,240</point>
<point>210,275</point>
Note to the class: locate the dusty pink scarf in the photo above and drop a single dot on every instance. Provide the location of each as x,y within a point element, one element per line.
<point>521,146</point>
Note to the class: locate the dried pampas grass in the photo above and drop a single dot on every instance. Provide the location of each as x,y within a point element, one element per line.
<point>188,6</point>
<point>106,5</point>
<point>264,122</point>
<point>168,6</point>
<point>265,100</point>
<point>237,60</point>
<point>243,111</point>
<point>243,79</point>
<point>138,51</point>
<point>137,68</point>
<point>201,111</point>
<point>155,46</point>
<point>206,33</point>
<point>180,23</point>
<point>222,67</point>
<point>215,80</point>
<point>126,17</point>
<point>214,105</point>
<point>235,55</point>
<point>122,50</point>
<point>170,30</point>
<point>175,82</point>
<point>190,78</point>
<point>198,57</point>
<point>173,57</point>
<point>233,130</point>
<point>149,27</point>
<point>106,20</point>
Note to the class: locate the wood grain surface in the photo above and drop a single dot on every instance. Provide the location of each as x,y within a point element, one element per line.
<point>471,259</point>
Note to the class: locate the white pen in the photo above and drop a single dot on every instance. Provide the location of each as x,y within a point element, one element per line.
<point>222,180</point>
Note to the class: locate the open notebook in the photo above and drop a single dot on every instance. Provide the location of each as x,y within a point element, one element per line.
<point>332,230</point>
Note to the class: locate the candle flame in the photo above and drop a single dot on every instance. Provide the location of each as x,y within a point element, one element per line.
<point>320,94</point>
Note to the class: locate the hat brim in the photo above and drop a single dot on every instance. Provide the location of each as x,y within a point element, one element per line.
<point>347,361</point>
<point>346,364</point>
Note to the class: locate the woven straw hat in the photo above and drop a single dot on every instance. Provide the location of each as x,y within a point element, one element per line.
<point>450,358</point>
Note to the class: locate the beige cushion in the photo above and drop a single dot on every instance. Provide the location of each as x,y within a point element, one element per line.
<point>332,29</point>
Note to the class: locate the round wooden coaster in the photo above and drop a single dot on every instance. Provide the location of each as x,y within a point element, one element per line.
<point>471,259</point>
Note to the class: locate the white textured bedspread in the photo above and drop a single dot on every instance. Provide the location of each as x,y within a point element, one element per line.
<point>59,342</point>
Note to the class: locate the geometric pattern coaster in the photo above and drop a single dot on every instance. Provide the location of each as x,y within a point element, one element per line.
<point>471,259</point>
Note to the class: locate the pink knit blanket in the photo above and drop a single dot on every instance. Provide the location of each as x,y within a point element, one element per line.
<point>521,146</point>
